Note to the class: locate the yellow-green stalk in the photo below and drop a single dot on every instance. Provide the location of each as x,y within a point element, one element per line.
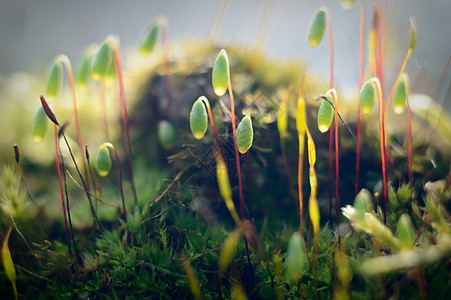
<point>313,201</point>
<point>300,126</point>
<point>224,186</point>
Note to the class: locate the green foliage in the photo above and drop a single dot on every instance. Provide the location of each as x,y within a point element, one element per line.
<point>181,221</point>
<point>295,257</point>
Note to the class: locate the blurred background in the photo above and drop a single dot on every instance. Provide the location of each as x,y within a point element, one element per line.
<point>34,32</point>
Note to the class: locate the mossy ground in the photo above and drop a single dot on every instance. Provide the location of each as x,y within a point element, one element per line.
<point>147,258</point>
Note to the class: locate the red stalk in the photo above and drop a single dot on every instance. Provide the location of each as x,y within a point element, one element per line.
<point>248,185</point>
<point>124,118</point>
<point>212,123</point>
<point>238,168</point>
<point>384,124</point>
<point>331,84</point>
<point>409,146</point>
<point>70,76</point>
<point>361,71</point>
<point>109,145</point>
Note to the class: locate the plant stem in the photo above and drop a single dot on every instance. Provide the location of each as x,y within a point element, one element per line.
<point>379,25</point>
<point>109,145</point>
<point>238,168</point>
<point>300,193</point>
<point>25,240</point>
<point>376,82</point>
<point>361,71</point>
<point>337,198</point>
<point>124,118</point>
<point>70,76</point>
<point>212,123</point>
<point>237,156</point>
<point>90,171</point>
<point>409,145</point>
<point>61,189</point>
<point>77,255</point>
<point>406,59</point>
<point>218,20</point>
<point>248,185</point>
<point>93,212</point>
<point>315,261</point>
<point>17,156</point>
<point>331,84</point>
<point>102,96</point>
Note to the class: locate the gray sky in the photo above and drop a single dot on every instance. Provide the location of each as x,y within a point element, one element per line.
<point>34,32</point>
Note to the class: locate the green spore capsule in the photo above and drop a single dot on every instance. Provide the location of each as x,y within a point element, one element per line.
<point>84,69</point>
<point>367,97</point>
<point>40,124</point>
<point>102,61</point>
<point>317,27</point>
<point>103,161</point>
<point>325,115</point>
<point>244,134</point>
<point>295,261</point>
<point>149,40</point>
<point>198,118</point>
<point>221,73</point>
<point>412,33</point>
<point>166,134</point>
<point>55,80</point>
<point>346,4</point>
<point>400,94</point>
<point>405,232</point>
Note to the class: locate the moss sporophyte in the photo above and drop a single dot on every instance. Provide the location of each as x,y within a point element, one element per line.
<point>185,234</point>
